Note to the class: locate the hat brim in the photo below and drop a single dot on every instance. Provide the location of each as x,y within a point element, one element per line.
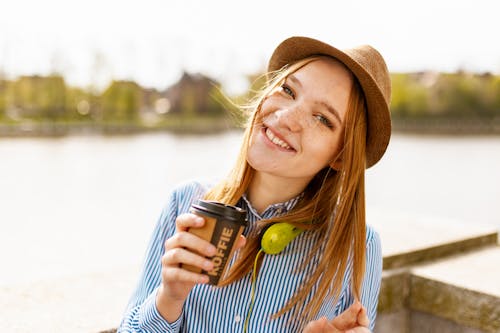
<point>378,114</point>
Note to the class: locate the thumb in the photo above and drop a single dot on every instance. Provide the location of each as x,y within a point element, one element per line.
<point>320,326</point>
<point>363,318</point>
<point>349,318</point>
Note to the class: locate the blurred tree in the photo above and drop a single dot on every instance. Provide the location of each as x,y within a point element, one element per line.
<point>465,95</point>
<point>78,104</point>
<point>121,101</point>
<point>495,88</point>
<point>38,97</point>
<point>21,97</point>
<point>3,97</point>
<point>409,96</point>
<point>53,97</point>
<point>458,94</point>
<point>491,94</point>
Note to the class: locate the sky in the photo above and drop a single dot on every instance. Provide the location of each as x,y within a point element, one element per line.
<point>152,42</point>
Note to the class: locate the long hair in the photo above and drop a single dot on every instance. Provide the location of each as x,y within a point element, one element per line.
<point>333,205</point>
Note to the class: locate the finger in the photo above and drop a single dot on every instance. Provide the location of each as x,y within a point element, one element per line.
<point>188,220</point>
<point>358,329</point>
<point>192,242</point>
<point>349,318</point>
<point>363,318</point>
<point>330,328</point>
<point>178,256</point>
<point>242,241</point>
<point>312,327</point>
<point>318,326</point>
<point>176,274</point>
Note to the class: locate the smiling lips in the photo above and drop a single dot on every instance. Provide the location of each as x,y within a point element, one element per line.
<point>277,141</point>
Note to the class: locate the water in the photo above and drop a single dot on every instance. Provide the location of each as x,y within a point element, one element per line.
<point>87,204</point>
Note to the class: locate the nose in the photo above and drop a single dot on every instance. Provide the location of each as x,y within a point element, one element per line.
<point>290,118</point>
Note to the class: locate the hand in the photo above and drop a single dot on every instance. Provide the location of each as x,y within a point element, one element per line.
<point>183,248</point>
<point>352,320</point>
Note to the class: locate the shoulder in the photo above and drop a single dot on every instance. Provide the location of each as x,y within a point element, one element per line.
<point>185,193</point>
<point>191,188</point>
<point>373,247</point>
<point>372,236</point>
<point>180,198</point>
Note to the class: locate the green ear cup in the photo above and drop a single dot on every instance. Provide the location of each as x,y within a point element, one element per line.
<point>278,236</point>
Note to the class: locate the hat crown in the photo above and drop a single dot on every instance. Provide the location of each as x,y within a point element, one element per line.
<point>373,63</point>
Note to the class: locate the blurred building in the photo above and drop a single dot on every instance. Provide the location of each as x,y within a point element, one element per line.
<point>194,94</point>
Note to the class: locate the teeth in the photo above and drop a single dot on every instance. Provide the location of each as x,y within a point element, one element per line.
<point>276,140</point>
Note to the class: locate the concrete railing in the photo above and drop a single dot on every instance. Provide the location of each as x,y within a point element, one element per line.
<point>457,290</point>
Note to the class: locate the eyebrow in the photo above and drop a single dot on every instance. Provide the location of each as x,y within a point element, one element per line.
<point>325,105</point>
<point>294,80</point>
<point>331,110</point>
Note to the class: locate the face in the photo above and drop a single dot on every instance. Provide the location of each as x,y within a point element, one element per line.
<point>299,128</point>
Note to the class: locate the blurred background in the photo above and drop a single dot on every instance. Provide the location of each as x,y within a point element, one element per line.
<point>106,105</point>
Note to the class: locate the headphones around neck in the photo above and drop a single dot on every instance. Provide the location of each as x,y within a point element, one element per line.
<point>274,240</point>
<point>278,236</point>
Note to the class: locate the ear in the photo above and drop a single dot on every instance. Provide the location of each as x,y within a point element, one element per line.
<point>337,164</point>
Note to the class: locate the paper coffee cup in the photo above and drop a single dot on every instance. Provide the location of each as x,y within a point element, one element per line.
<point>223,226</point>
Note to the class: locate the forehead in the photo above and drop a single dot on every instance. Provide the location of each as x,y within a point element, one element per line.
<point>327,69</point>
<point>325,80</point>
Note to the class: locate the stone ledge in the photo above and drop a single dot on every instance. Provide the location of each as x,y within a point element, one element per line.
<point>465,307</point>
<point>458,294</point>
<point>439,251</point>
<point>394,291</point>
<point>424,322</point>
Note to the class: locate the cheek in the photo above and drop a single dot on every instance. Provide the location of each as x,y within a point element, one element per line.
<point>255,151</point>
<point>268,106</point>
<point>324,154</point>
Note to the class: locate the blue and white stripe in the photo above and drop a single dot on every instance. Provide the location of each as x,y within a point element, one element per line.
<point>211,309</point>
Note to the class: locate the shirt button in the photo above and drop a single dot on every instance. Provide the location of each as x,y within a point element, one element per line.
<point>280,210</point>
<point>237,318</point>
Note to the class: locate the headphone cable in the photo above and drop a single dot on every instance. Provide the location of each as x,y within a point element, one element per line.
<point>252,293</point>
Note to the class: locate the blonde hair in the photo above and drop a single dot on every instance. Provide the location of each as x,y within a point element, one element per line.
<point>333,205</point>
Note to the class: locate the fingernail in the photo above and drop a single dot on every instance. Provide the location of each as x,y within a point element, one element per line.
<point>211,250</point>
<point>208,265</point>
<point>199,220</point>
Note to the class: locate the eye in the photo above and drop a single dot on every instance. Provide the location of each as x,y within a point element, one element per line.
<point>323,120</point>
<point>287,90</point>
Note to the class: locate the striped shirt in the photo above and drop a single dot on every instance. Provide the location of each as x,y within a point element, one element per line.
<point>221,310</point>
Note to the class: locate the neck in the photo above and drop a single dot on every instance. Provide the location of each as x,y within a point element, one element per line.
<point>265,190</point>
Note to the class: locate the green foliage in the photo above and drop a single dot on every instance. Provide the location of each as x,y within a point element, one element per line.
<point>3,99</point>
<point>409,97</point>
<point>38,97</point>
<point>460,95</point>
<point>80,104</point>
<point>121,101</point>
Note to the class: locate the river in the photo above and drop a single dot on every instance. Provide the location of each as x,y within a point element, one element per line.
<point>89,203</point>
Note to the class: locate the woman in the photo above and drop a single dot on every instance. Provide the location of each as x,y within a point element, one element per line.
<point>322,120</point>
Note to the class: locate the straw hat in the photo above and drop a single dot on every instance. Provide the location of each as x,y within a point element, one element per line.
<point>371,71</point>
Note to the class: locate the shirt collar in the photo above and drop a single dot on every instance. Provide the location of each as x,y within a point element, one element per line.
<point>274,209</point>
